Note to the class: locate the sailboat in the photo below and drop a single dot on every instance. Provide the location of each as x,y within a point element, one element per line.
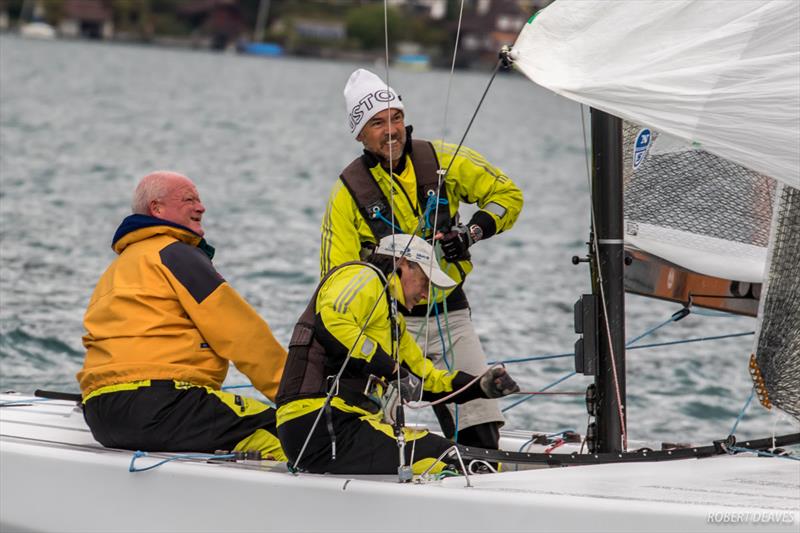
<point>673,87</point>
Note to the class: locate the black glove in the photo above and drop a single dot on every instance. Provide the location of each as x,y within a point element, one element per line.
<point>456,242</point>
<point>497,383</point>
<point>410,387</point>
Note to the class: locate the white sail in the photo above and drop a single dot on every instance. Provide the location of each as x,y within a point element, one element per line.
<point>724,74</point>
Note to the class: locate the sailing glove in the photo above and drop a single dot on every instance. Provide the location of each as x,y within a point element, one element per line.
<point>456,242</point>
<point>497,383</point>
<point>410,387</point>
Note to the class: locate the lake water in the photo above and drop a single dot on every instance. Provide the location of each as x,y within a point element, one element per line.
<point>265,139</point>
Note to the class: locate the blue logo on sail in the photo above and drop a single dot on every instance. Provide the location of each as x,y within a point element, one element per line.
<point>640,147</point>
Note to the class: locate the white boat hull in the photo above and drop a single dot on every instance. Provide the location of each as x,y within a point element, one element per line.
<point>55,477</point>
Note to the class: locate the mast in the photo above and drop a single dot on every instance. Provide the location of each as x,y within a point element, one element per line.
<point>608,217</point>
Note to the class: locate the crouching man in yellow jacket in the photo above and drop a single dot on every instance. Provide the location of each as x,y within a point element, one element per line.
<point>349,330</point>
<point>161,329</point>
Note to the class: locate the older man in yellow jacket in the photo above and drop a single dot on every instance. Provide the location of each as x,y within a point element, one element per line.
<point>161,328</point>
<point>394,188</point>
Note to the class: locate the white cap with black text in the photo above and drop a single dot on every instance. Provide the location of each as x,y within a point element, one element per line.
<point>418,251</point>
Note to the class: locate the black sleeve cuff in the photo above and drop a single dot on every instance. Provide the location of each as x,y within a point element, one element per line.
<point>461,379</point>
<point>381,364</point>
<point>485,221</point>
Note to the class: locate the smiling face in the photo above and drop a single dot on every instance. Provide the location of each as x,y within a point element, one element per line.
<point>385,134</point>
<point>180,204</point>
<point>414,282</point>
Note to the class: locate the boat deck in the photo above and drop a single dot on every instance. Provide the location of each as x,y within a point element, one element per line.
<point>49,458</point>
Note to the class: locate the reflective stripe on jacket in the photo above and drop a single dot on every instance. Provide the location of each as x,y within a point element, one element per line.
<point>344,305</point>
<point>161,311</point>
<point>471,179</point>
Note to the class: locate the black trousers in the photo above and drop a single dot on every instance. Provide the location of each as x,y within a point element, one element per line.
<point>361,447</point>
<point>171,416</point>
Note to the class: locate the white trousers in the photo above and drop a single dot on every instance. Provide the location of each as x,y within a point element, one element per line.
<point>466,354</point>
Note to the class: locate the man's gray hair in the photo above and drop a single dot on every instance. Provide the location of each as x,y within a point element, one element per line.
<point>154,186</point>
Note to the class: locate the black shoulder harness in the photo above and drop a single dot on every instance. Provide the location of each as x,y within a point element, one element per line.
<point>373,204</point>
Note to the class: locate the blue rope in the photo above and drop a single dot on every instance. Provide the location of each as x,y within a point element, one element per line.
<point>533,358</point>
<point>229,387</point>
<point>388,222</point>
<point>441,335</point>
<point>639,347</point>
<point>561,432</point>
<point>138,453</point>
<point>709,312</point>
<point>25,402</point>
<point>761,453</point>
<point>741,413</point>
<point>526,398</point>
<point>674,318</point>
<point>429,207</point>
<point>696,339</point>
<point>445,348</point>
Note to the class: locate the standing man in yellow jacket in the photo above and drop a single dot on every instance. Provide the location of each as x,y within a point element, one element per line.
<point>393,187</point>
<point>162,327</point>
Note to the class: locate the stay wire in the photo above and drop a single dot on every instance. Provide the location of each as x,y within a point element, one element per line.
<point>440,179</point>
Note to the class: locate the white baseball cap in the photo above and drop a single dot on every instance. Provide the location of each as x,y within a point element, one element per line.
<point>366,95</point>
<point>417,251</point>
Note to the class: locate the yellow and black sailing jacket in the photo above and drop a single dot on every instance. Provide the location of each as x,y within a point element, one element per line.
<point>161,311</point>
<point>471,179</point>
<point>353,296</point>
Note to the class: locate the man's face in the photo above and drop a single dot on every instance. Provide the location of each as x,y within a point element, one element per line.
<point>414,282</point>
<point>383,134</point>
<point>181,204</point>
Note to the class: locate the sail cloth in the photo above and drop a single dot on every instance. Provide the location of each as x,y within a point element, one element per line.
<point>722,74</point>
<point>693,208</point>
<point>776,365</point>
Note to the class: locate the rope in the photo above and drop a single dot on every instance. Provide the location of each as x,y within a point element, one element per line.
<point>639,347</point>
<point>532,358</point>
<point>550,386</point>
<point>449,348</point>
<point>390,223</point>
<point>687,341</point>
<point>452,71</point>
<point>761,453</point>
<point>741,413</point>
<point>11,403</point>
<point>674,318</point>
<point>430,204</point>
<point>137,454</point>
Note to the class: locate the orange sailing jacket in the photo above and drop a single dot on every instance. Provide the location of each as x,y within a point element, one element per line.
<point>161,311</point>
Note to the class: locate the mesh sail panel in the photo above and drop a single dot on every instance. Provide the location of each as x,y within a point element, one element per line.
<point>776,369</point>
<point>695,209</point>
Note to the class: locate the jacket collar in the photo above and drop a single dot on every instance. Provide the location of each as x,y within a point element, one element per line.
<point>135,228</point>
